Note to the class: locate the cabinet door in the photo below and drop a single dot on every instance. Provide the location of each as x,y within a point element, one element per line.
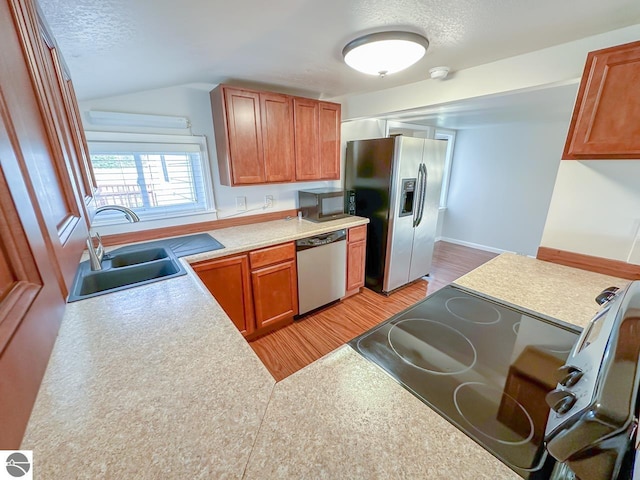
<point>330,141</point>
<point>45,129</point>
<point>84,169</point>
<point>606,117</point>
<point>277,137</point>
<point>275,293</point>
<point>244,136</point>
<point>356,252</point>
<point>228,281</point>
<point>31,301</point>
<point>306,119</point>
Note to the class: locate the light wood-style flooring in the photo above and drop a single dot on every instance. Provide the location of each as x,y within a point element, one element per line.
<point>289,349</point>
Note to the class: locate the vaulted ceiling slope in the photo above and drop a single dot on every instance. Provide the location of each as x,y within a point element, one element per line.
<point>121,46</point>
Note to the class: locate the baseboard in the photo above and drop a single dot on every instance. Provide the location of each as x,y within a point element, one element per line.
<point>471,245</point>
<point>606,266</point>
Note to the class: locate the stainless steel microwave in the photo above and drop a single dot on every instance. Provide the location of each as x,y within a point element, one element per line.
<point>322,204</point>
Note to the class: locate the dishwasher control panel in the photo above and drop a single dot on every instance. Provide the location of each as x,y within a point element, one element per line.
<point>321,239</point>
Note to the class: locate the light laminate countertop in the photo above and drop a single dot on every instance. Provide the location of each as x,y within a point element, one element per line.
<point>564,293</point>
<point>156,382</point>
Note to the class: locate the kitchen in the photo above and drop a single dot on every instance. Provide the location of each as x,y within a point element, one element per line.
<point>567,65</point>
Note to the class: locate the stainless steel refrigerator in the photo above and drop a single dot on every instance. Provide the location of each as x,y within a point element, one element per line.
<point>397,183</point>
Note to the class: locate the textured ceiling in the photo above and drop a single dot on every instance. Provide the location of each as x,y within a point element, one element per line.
<point>122,46</point>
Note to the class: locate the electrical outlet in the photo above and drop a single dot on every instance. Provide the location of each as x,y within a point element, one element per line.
<point>241,204</point>
<point>268,201</point>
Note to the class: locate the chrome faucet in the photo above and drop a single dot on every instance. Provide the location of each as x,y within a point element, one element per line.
<point>128,213</point>
<point>96,254</point>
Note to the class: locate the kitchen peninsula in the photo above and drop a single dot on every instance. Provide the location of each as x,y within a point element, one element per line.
<point>156,382</point>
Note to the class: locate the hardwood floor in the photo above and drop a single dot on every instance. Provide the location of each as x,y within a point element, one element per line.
<point>289,349</point>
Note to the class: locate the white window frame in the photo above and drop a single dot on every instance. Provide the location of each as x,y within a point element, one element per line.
<point>171,141</point>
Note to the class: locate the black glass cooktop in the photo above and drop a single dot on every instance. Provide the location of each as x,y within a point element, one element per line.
<point>483,365</point>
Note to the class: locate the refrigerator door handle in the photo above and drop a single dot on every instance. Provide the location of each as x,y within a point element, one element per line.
<point>422,196</point>
<point>418,194</point>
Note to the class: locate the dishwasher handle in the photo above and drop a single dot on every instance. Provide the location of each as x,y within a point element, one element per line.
<point>320,240</point>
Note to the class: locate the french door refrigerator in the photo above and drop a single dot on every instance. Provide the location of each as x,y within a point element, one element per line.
<point>397,183</point>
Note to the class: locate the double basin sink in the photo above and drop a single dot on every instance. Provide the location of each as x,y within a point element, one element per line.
<point>136,265</point>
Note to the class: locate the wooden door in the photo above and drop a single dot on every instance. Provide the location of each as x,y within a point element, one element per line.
<point>606,117</point>
<point>355,265</point>
<point>275,293</point>
<point>44,129</point>
<point>83,167</point>
<point>356,258</point>
<point>31,303</point>
<point>306,120</point>
<point>329,141</point>
<point>244,136</point>
<point>31,299</point>
<point>42,228</point>
<point>277,137</point>
<point>228,281</point>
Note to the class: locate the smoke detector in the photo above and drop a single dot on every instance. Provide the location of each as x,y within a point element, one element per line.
<point>439,73</point>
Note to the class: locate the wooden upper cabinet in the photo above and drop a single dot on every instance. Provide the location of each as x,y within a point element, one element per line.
<point>606,117</point>
<point>307,128</point>
<point>83,167</point>
<point>42,228</point>
<point>277,137</point>
<point>265,137</point>
<point>237,125</point>
<point>46,130</point>
<point>31,303</point>
<point>329,141</point>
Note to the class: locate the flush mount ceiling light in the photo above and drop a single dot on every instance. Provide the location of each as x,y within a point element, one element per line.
<point>384,53</point>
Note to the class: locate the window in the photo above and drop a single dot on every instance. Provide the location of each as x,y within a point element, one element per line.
<point>157,176</point>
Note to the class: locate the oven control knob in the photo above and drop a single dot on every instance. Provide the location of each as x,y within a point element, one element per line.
<point>606,295</point>
<point>560,400</point>
<point>568,375</point>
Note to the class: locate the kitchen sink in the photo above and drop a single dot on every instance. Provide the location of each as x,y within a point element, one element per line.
<point>104,280</point>
<point>125,268</point>
<point>137,257</point>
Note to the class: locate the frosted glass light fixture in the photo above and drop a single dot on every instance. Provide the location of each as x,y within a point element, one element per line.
<point>385,53</point>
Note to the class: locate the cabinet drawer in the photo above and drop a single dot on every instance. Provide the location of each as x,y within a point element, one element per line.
<point>271,255</point>
<point>357,234</point>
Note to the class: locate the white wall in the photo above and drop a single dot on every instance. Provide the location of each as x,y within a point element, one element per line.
<point>193,102</point>
<point>595,209</point>
<point>362,130</point>
<point>553,65</point>
<point>501,184</point>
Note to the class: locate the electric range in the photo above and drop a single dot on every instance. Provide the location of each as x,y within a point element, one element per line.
<point>484,365</point>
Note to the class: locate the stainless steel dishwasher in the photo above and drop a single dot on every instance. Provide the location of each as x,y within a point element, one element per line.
<point>322,269</point>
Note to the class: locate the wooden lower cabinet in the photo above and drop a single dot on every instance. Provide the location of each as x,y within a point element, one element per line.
<point>258,289</point>
<point>275,293</point>
<point>356,256</point>
<point>229,282</point>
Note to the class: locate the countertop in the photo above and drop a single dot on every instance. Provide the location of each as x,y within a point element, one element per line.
<point>156,382</point>
<point>564,293</point>
<point>257,235</point>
